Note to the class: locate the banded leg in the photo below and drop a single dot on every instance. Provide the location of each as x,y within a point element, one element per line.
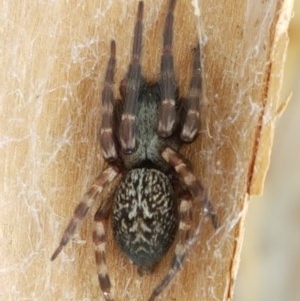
<point>193,185</point>
<point>133,79</point>
<point>185,221</point>
<point>167,112</point>
<point>99,239</point>
<point>106,132</point>
<point>191,123</point>
<point>85,204</point>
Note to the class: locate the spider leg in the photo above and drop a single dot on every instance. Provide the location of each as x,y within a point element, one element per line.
<point>191,123</point>
<point>133,79</point>
<point>185,221</point>
<point>99,239</point>
<point>106,132</point>
<point>167,112</point>
<point>85,204</point>
<point>193,185</point>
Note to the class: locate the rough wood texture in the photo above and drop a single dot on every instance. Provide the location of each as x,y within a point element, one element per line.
<point>52,67</point>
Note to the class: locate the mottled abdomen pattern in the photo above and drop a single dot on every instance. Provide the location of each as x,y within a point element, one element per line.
<point>144,216</point>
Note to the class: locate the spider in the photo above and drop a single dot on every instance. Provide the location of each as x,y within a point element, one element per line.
<point>140,138</point>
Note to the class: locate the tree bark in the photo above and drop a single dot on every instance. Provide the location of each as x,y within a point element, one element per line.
<point>52,71</point>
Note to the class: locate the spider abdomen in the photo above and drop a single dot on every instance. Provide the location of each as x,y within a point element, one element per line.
<point>144,216</point>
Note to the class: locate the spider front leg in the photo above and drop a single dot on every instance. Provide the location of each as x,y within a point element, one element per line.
<point>167,112</point>
<point>99,239</point>
<point>185,222</point>
<point>106,132</point>
<point>133,79</point>
<point>85,204</point>
<point>191,122</point>
<point>193,185</point>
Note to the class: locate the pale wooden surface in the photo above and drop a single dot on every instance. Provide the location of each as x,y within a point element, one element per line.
<point>270,262</point>
<point>51,77</point>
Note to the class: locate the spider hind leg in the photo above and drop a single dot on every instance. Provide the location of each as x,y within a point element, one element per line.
<point>193,185</point>
<point>182,246</point>
<point>99,239</point>
<point>90,197</point>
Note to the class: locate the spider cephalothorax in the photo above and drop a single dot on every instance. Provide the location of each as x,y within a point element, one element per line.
<point>140,140</point>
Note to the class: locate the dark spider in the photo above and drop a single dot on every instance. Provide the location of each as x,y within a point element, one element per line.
<point>140,140</point>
